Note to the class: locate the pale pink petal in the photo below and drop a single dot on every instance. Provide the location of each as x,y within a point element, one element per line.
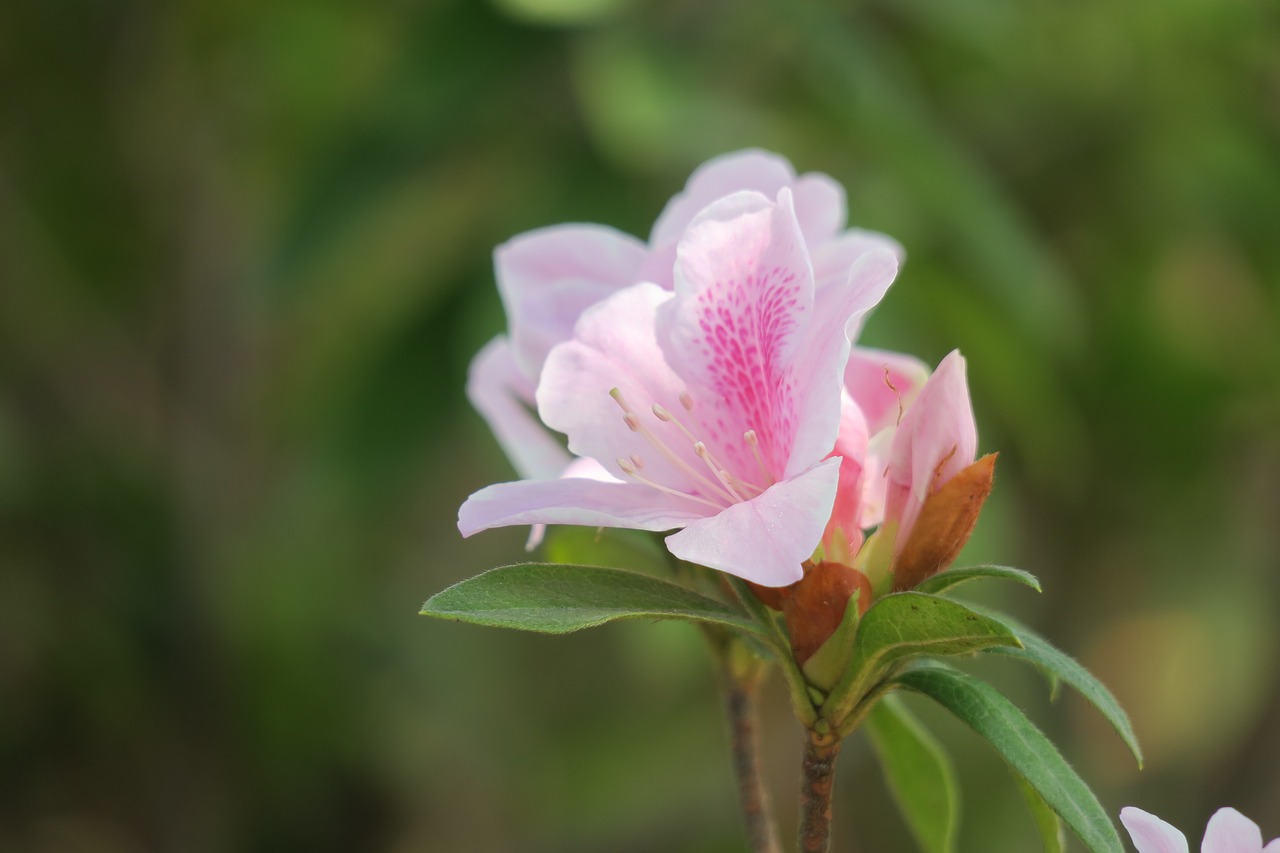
<point>614,347</point>
<point>744,293</point>
<point>1272,846</point>
<point>576,500</point>
<point>1150,834</point>
<point>832,259</point>
<point>583,468</point>
<point>883,384</point>
<point>1231,832</point>
<point>752,169</point>
<point>935,440</point>
<point>820,207</point>
<point>503,396</point>
<point>764,540</point>
<point>851,447</point>
<point>817,375</point>
<point>548,277</point>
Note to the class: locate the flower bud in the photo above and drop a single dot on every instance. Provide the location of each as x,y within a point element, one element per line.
<point>944,524</point>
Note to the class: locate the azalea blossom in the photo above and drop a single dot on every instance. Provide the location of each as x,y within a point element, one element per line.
<point>712,407</point>
<point>548,277</point>
<point>1228,832</point>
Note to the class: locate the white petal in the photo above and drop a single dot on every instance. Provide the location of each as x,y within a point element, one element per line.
<point>766,539</point>
<point>503,397</point>
<point>1150,834</point>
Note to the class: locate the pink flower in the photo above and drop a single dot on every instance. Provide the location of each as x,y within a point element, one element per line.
<point>713,407</point>
<point>1228,832</point>
<point>549,277</point>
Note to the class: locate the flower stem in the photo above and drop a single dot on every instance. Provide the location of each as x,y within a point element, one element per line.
<point>820,753</point>
<point>740,710</point>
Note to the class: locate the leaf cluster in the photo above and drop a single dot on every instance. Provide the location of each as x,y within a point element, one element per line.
<point>898,645</point>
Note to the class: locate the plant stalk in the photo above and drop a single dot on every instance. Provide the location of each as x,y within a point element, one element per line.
<point>756,810</point>
<point>819,776</point>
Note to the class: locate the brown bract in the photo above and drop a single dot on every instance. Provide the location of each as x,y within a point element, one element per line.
<point>817,602</point>
<point>945,522</point>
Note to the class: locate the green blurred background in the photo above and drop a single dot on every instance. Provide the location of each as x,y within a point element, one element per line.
<point>245,259</point>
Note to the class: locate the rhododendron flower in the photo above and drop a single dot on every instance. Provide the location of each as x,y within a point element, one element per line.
<point>712,407</point>
<point>1228,832</point>
<point>549,276</point>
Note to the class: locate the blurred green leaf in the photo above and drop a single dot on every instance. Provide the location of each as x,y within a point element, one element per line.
<point>908,625</point>
<point>953,577</point>
<point>1057,664</point>
<point>557,599</point>
<point>1028,751</point>
<point>919,773</point>
<point>1048,824</point>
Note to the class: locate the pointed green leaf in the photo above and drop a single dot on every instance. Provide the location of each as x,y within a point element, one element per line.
<point>1058,664</point>
<point>903,626</point>
<point>1048,824</point>
<point>952,577</point>
<point>919,773</point>
<point>557,599</point>
<point>1028,751</point>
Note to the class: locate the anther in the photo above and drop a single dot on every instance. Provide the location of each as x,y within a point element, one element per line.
<point>686,400</point>
<point>636,460</point>
<point>662,414</point>
<point>627,467</point>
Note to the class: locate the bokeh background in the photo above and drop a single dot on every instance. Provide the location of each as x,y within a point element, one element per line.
<point>245,259</point>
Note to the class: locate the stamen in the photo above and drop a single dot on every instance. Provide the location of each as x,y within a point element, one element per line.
<point>893,388</point>
<point>701,449</point>
<point>636,460</point>
<point>633,424</point>
<point>666,417</point>
<point>686,400</point>
<point>754,443</point>
<point>630,470</point>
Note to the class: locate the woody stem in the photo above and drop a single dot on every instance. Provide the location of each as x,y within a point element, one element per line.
<point>819,773</point>
<point>756,812</point>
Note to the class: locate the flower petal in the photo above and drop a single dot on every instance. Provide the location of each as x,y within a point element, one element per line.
<point>1272,846</point>
<point>936,439</point>
<point>752,169</point>
<point>820,207</point>
<point>764,540</point>
<point>744,294</point>
<point>1231,832</point>
<point>548,277</point>
<point>503,395</point>
<point>883,384</point>
<point>1150,834</point>
<point>817,374</point>
<point>847,512</point>
<point>832,259</point>
<point>614,347</point>
<point>819,199</point>
<point>587,502</point>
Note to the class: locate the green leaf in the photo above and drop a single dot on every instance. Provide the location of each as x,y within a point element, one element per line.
<point>557,599</point>
<point>1058,664</point>
<point>919,773</point>
<point>952,577</point>
<point>1028,751</point>
<point>1048,824</point>
<point>903,626</point>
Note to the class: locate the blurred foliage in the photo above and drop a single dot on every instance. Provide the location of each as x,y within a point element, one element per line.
<point>244,260</point>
